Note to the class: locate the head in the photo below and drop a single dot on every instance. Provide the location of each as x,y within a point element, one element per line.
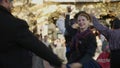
<point>45,38</point>
<point>40,37</point>
<point>83,19</point>
<point>62,14</point>
<point>7,4</point>
<point>116,24</point>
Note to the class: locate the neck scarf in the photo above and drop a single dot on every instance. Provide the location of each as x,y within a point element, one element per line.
<point>78,36</point>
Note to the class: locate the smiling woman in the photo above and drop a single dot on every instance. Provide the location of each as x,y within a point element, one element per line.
<point>83,44</point>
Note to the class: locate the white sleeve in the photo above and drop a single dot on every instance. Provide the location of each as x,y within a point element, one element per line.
<point>61,25</point>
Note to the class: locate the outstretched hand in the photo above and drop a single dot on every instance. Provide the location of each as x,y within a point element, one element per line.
<point>75,65</point>
<point>94,19</point>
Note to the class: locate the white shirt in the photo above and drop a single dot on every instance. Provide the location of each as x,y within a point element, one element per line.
<point>60,23</point>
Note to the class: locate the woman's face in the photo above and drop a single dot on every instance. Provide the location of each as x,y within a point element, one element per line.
<point>83,22</point>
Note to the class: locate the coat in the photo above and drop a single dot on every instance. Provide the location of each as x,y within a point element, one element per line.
<point>17,42</point>
<point>83,47</point>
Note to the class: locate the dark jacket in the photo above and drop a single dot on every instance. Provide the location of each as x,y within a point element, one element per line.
<point>17,43</point>
<point>70,32</point>
<point>83,47</point>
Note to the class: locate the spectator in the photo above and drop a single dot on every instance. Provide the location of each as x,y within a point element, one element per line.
<point>113,38</point>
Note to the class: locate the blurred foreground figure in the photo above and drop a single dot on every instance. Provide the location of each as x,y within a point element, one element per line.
<point>17,41</point>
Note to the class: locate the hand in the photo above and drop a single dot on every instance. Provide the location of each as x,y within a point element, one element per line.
<point>94,19</point>
<point>75,26</point>
<point>63,66</point>
<point>69,9</point>
<point>75,65</point>
<point>92,12</point>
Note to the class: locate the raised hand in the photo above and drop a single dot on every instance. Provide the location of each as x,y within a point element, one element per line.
<point>69,9</point>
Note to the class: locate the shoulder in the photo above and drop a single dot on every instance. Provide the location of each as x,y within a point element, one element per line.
<point>21,22</point>
<point>91,36</point>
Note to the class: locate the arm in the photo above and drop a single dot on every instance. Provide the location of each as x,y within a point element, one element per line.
<point>71,31</point>
<point>27,40</point>
<point>67,20</point>
<point>102,29</point>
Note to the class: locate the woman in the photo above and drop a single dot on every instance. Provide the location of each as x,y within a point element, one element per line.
<point>83,45</point>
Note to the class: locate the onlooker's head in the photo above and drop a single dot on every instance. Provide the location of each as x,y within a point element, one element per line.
<point>7,4</point>
<point>115,23</point>
<point>46,38</point>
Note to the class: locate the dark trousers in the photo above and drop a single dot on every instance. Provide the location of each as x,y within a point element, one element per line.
<point>115,59</point>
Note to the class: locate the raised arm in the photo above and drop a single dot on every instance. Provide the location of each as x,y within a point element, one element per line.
<point>101,28</point>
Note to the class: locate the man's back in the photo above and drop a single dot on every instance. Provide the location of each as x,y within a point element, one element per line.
<point>16,42</point>
<point>11,54</point>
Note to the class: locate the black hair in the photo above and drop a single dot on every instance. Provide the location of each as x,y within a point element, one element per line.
<point>0,0</point>
<point>116,23</point>
<point>77,14</point>
<point>9,0</point>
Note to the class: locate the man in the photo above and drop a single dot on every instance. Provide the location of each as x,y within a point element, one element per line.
<point>16,42</point>
<point>113,38</point>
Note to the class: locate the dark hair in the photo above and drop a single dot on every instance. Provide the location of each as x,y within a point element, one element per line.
<point>0,0</point>
<point>9,0</point>
<point>115,23</point>
<point>83,13</point>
